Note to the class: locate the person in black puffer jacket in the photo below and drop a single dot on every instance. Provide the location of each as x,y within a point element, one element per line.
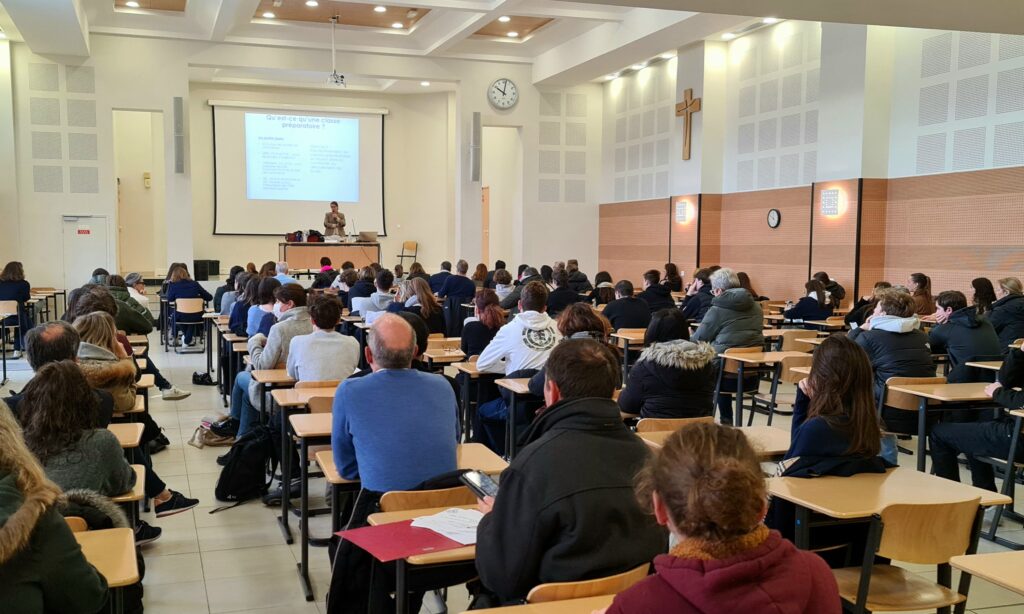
<point>673,378</point>
<point>578,280</point>
<point>965,336</point>
<point>698,296</point>
<point>656,296</point>
<point>1008,311</point>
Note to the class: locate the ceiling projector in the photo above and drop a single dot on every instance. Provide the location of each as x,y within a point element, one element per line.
<point>335,80</point>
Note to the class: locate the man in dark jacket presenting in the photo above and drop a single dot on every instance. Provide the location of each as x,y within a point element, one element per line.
<point>557,519</point>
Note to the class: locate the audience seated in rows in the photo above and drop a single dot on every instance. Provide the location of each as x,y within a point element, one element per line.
<point>324,354</point>
<point>865,306</point>
<point>458,285</point>
<point>281,270</point>
<point>563,295</point>
<point>627,310</point>
<point>578,280</point>
<point>437,279</point>
<point>528,274</point>
<point>671,277</point>
<point>656,295</point>
<point>698,296</point>
<point>577,321</point>
<point>814,305</point>
<point>604,290</point>
<point>414,296</point>
<point>835,291</point>
<point>962,334</point>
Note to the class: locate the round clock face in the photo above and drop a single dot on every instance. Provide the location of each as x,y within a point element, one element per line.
<point>503,94</point>
<point>774,218</point>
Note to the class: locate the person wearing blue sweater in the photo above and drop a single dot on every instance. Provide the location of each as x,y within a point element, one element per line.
<point>458,285</point>
<point>397,440</point>
<point>263,305</point>
<point>814,306</point>
<point>182,286</point>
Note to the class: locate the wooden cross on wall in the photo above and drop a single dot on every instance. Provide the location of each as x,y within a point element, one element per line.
<point>686,109</point>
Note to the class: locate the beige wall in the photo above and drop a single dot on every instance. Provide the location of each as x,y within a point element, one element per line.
<point>138,149</point>
<point>502,171</point>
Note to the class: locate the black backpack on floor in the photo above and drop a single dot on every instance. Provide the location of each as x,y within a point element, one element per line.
<point>244,474</point>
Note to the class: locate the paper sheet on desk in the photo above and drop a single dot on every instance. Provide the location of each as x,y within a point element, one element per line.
<point>456,524</point>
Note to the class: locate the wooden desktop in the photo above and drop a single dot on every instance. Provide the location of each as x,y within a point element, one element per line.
<point>307,255</point>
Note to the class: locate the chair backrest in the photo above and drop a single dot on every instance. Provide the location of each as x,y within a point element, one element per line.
<point>331,383</point>
<point>189,305</point>
<point>649,425</point>
<point>731,366</point>
<point>789,338</point>
<point>927,533</point>
<point>443,343</point>
<point>321,405</point>
<point>9,307</point>
<point>787,364</point>
<point>409,246</point>
<point>77,524</point>
<point>902,400</point>
<point>400,500</point>
<point>609,585</point>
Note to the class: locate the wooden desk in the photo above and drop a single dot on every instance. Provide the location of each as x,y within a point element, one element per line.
<point>627,337</point>
<point>307,255</point>
<point>442,355</point>
<point>803,370</point>
<point>990,365</point>
<point>138,340</point>
<point>1000,568</point>
<point>769,441</point>
<point>944,393</point>
<point>129,434</point>
<point>755,359</point>
<point>112,553</point>
<point>268,379</point>
<point>826,325</point>
<point>815,341</point>
<point>471,382</point>
<point>567,606</point>
<point>132,498</point>
<point>518,387</point>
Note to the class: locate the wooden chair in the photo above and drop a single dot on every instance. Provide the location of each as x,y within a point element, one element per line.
<point>12,308</point>
<point>410,249</point>
<point>187,306</point>
<point>443,343</point>
<point>609,585</point>
<point>924,534</point>
<point>771,401</point>
<point>731,368</point>
<point>77,524</point>
<point>650,425</point>
<point>435,336</point>
<point>903,401</point>
<point>401,500</point>
<point>331,383</point>
<point>788,342</point>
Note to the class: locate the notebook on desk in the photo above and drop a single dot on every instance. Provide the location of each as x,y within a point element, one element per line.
<point>398,540</point>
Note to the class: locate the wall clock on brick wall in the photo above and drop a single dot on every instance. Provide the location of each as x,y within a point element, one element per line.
<point>774,218</point>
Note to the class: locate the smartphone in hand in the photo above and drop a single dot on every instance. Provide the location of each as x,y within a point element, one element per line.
<point>480,483</point>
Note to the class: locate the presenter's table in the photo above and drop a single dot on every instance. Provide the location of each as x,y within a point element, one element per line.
<point>308,255</point>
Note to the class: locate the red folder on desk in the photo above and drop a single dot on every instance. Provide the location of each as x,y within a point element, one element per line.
<point>398,540</point>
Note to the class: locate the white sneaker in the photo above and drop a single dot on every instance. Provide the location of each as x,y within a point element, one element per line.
<point>175,394</point>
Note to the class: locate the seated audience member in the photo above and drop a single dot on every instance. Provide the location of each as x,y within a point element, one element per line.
<point>488,317</point>
<point>104,361</point>
<point>988,438</point>
<point>42,567</point>
<point>545,275</point>
<point>268,269</point>
<point>577,279</point>
<point>132,319</point>
<point>227,302</point>
<point>281,268</point>
<point>698,296</point>
<point>550,525</point>
<point>343,285</point>
<point>499,265</point>
<point>604,290</point>
<point>480,275</point>
<point>705,485</point>
<point>324,354</point>
<point>426,306</point>
<point>835,291</point>
<point>137,289</point>
<point>99,276</point>
<point>865,305</point>
<point>326,265</point>
<point>563,295</point>
<point>962,334</point>
<point>746,285</point>
<point>656,296</point>
<point>502,283</point>
<point>984,295</point>
<point>416,270</point>
<point>577,321</point>
<point>920,286</point>
<point>458,285</point>
<point>734,320</point>
<point>118,288</point>
<point>326,276</point>
<point>1007,314</point>
<point>674,377</point>
<point>437,279</point>
<point>13,287</point>
<point>250,268</point>
<point>528,274</point>
<point>380,299</point>
<point>248,295</point>
<point>263,306</point>
<point>182,286</point>
<point>399,271</point>
<point>627,311</point>
<point>268,352</point>
<point>364,287</point>
<point>672,278</point>
<point>813,306</point>
<point>896,348</point>
<point>229,286</point>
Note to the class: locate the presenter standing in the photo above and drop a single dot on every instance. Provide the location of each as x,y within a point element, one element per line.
<point>334,222</point>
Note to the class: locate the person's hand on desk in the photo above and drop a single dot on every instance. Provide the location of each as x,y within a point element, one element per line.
<point>991,388</point>
<point>485,505</point>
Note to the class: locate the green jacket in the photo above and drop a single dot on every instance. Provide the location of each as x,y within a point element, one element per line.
<point>734,320</point>
<point>141,324</point>
<point>42,569</point>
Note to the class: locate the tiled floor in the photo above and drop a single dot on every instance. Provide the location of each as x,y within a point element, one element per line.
<point>237,561</point>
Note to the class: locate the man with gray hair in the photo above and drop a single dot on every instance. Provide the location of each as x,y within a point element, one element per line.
<point>734,320</point>
<point>282,274</point>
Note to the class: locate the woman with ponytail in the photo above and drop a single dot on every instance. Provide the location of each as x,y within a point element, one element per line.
<point>920,286</point>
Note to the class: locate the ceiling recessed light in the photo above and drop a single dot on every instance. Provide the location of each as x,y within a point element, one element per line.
<point>668,55</point>
<point>504,19</point>
<point>132,4</point>
<point>397,25</point>
<point>611,77</point>
<point>513,34</point>
<point>728,36</point>
<point>425,83</point>
<point>770,20</point>
<point>380,9</point>
<point>639,66</point>
<point>269,15</point>
<point>312,3</point>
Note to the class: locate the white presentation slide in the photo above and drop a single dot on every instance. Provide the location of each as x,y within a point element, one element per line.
<point>301,157</point>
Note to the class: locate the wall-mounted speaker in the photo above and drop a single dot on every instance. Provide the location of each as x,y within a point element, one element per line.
<point>475,148</point>
<point>179,135</point>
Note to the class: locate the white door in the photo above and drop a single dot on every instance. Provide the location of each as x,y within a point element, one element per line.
<point>85,248</point>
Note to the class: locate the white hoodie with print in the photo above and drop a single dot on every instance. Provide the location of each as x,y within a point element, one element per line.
<point>523,343</point>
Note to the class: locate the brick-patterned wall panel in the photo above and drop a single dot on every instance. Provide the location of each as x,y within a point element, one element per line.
<point>775,259</point>
<point>873,201</point>
<point>710,229</point>
<point>955,227</point>
<point>633,238</point>
<point>683,218</point>
<point>834,247</point>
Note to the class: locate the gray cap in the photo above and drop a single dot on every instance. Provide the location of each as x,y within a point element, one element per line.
<point>133,278</point>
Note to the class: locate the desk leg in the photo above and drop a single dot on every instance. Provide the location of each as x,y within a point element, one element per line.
<point>874,537</point>
<point>972,547</point>
<point>510,429</point>
<point>625,360</point>
<point>802,530</point>
<point>3,351</point>
<point>286,472</point>
<point>209,345</point>
<point>304,522</point>
<point>922,418</point>
<point>400,592</point>
<point>263,402</point>
<point>1008,485</point>
<point>737,419</point>
<point>464,393</point>
<point>117,597</point>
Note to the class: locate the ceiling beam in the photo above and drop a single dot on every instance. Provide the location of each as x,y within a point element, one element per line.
<point>51,27</point>
<point>228,16</point>
<point>467,25</point>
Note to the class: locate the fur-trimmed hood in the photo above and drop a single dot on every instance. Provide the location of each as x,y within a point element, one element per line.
<point>680,354</point>
<point>103,369</point>
<point>98,511</point>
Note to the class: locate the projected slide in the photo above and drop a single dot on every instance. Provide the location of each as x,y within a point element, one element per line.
<point>301,157</point>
